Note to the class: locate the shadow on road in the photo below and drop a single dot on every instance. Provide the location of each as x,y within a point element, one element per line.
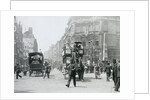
<point>78,87</point>
<point>23,91</point>
<point>81,86</point>
<point>89,79</point>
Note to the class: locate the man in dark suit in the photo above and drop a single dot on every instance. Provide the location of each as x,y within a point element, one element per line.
<point>47,71</point>
<point>82,69</point>
<point>18,70</point>
<point>108,71</point>
<point>114,66</point>
<point>72,73</point>
<point>118,77</point>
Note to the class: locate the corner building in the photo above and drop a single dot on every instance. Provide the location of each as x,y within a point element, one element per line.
<point>100,36</point>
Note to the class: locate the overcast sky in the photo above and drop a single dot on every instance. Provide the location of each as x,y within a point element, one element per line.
<point>47,30</point>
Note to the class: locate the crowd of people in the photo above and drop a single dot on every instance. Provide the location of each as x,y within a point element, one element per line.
<point>112,71</point>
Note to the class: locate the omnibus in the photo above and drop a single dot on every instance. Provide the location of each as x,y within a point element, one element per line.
<point>36,60</point>
<point>76,52</point>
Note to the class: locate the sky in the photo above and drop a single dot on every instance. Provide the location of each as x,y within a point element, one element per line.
<point>46,29</point>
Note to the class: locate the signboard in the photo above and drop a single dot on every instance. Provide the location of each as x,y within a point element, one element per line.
<point>81,51</point>
<point>68,51</point>
<point>68,61</point>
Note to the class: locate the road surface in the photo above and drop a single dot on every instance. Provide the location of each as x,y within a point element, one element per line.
<point>56,84</point>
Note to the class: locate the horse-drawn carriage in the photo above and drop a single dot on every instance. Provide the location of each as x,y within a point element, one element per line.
<point>76,53</point>
<point>36,63</point>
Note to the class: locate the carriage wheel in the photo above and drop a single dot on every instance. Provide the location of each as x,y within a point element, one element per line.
<point>42,73</point>
<point>30,72</point>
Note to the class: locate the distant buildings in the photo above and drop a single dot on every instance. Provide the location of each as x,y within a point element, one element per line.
<point>30,43</point>
<point>100,36</point>
<point>23,43</point>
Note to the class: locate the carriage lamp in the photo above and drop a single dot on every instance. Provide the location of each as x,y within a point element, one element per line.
<point>81,52</point>
<point>68,61</point>
<point>67,51</point>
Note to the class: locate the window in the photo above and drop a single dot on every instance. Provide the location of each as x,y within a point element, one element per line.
<point>96,43</point>
<point>84,44</point>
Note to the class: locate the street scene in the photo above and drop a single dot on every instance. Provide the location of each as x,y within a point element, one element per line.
<point>56,84</point>
<point>66,54</point>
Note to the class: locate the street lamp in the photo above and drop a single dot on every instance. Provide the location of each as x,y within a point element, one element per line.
<point>91,54</point>
<point>91,50</point>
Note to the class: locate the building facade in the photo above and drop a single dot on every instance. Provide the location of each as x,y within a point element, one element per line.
<point>100,36</point>
<point>18,43</point>
<point>30,43</point>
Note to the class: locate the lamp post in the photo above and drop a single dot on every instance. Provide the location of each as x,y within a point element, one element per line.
<point>90,49</point>
<point>101,47</point>
<point>104,46</point>
<point>91,53</point>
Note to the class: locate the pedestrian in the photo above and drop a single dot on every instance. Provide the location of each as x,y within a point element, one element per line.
<point>86,68</point>
<point>108,71</point>
<point>79,72</point>
<point>101,66</point>
<point>82,70</point>
<point>47,71</point>
<point>24,70</point>
<point>118,77</point>
<point>18,71</point>
<point>72,73</point>
<point>15,68</point>
<point>97,71</point>
<point>111,76</point>
<point>114,66</point>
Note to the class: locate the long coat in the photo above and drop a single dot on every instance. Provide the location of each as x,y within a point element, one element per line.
<point>114,71</point>
<point>72,69</point>
<point>108,69</point>
<point>118,71</point>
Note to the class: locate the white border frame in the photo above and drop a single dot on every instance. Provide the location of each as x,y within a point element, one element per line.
<point>127,55</point>
<point>141,27</point>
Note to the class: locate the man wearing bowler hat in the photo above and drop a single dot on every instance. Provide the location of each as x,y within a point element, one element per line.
<point>72,73</point>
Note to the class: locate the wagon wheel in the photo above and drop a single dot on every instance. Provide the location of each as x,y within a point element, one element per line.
<point>30,72</point>
<point>42,73</point>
